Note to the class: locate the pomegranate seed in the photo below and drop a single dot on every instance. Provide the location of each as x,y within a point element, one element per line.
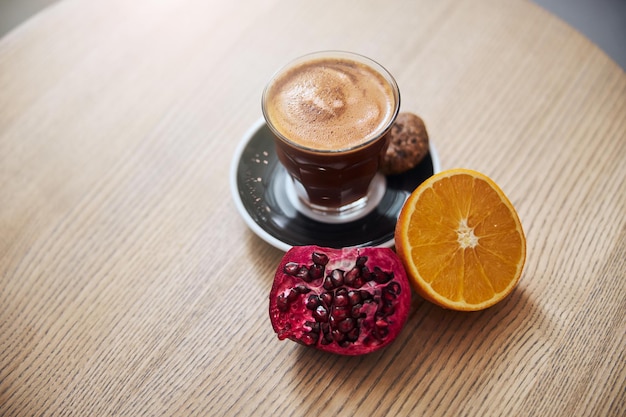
<point>326,298</point>
<point>328,283</point>
<point>341,298</point>
<point>380,276</point>
<point>302,289</point>
<point>341,313</point>
<point>351,276</point>
<point>320,314</point>
<point>282,303</point>
<point>354,297</point>
<point>316,272</point>
<point>336,278</point>
<point>319,258</point>
<point>303,273</point>
<point>291,268</point>
<point>346,325</point>
<point>394,288</point>
<point>292,295</point>
<point>312,302</point>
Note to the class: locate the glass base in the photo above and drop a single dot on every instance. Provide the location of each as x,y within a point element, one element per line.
<point>335,215</point>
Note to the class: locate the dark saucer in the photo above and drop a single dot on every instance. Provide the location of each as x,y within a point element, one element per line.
<point>258,188</point>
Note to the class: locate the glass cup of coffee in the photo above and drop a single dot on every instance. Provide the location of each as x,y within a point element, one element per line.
<point>330,113</point>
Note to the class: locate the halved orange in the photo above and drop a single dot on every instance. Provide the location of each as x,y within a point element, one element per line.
<point>461,241</point>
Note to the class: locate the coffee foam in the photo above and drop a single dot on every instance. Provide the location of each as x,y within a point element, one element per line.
<point>330,104</point>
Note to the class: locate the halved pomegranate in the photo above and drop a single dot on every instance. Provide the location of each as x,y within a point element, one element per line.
<point>347,301</point>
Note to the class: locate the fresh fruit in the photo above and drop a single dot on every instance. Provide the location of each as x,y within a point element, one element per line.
<point>461,241</point>
<point>347,301</point>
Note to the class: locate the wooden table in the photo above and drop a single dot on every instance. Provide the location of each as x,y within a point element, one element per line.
<point>131,286</point>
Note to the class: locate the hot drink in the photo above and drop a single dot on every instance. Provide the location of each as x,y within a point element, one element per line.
<point>329,113</point>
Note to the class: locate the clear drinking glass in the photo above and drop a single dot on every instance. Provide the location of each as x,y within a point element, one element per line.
<point>330,113</point>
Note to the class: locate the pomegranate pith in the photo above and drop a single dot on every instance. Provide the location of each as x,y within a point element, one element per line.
<point>347,301</point>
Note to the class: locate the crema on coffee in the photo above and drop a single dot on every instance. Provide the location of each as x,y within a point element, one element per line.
<point>330,104</point>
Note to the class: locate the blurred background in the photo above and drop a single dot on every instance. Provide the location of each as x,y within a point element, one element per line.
<point>602,21</point>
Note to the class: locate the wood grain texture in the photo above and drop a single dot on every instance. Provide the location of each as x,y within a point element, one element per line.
<point>129,284</point>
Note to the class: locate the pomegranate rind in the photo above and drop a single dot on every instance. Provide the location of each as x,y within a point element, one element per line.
<point>380,319</point>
